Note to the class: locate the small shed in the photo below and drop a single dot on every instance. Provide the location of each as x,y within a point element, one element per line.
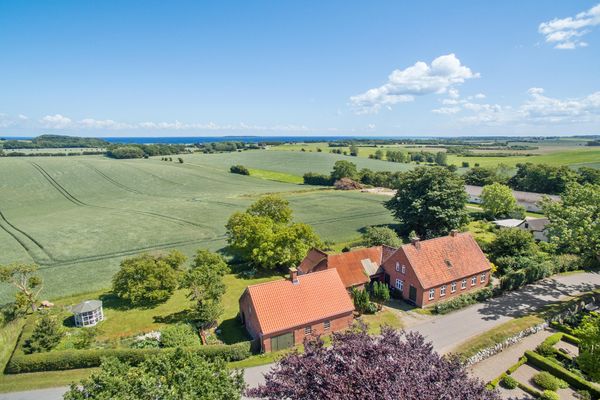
<point>88,313</point>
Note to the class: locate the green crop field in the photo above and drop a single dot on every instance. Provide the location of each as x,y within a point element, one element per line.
<point>77,217</point>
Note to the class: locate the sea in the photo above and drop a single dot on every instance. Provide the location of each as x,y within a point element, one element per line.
<point>245,139</point>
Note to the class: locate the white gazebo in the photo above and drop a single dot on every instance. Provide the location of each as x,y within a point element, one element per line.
<point>88,313</point>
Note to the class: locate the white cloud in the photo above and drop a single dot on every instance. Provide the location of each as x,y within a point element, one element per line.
<point>537,109</point>
<point>566,33</point>
<point>417,80</point>
<point>447,110</point>
<point>56,121</point>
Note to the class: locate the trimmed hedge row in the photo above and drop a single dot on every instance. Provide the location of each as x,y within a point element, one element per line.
<point>560,372</point>
<point>463,300</point>
<point>72,359</point>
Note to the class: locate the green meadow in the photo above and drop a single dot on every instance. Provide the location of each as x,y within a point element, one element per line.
<point>77,217</point>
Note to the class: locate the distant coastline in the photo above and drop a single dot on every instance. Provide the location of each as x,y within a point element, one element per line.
<point>284,139</point>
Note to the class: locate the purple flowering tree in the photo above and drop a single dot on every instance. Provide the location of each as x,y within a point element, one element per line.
<point>393,366</point>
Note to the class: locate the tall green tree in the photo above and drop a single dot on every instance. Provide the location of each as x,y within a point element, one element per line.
<point>575,220</point>
<point>274,207</point>
<point>206,287</point>
<point>497,200</point>
<point>28,283</point>
<point>441,158</point>
<point>430,201</point>
<point>353,150</point>
<point>175,374</point>
<point>148,279</point>
<point>343,169</point>
<point>268,243</point>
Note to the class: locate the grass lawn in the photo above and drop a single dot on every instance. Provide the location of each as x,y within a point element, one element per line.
<point>41,380</point>
<point>496,335</point>
<point>384,317</point>
<point>276,176</point>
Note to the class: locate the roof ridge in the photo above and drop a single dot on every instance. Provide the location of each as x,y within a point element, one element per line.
<point>284,279</point>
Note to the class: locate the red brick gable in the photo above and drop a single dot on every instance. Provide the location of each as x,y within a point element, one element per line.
<point>349,265</point>
<point>445,259</point>
<point>281,305</point>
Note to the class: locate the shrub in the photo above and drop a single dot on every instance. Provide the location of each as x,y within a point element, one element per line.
<point>561,372</point>
<point>583,395</point>
<point>549,395</point>
<point>73,359</point>
<point>463,300</point>
<point>85,338</point>
<point>239,169</point>
<point>180,160</point>
<point>312,178</point>
<point>548,381</point>
<point>46,336</point>
<point>179,335</point>
<point>509,382</point>
<point>545,349</point>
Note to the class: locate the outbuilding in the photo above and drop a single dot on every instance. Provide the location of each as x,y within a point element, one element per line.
<point>88,313</point>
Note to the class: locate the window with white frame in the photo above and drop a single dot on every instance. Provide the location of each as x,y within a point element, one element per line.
<point>443,290</point>
<point>453,287</point>
<point>473,281</point>
<point>431,294</point>
<point>307,330</point>
<point>326,325</point>
<point>399,284</point>
<point>403,268</point>
<point>483,277</point>
<point>397,266</point>
<point>463,284</point>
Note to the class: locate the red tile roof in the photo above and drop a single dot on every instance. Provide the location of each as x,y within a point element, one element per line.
<point>349,265</point>
<point>281,305</point>
<point>445,259</point>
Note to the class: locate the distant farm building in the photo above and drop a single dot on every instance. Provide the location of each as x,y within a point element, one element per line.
<point>529,200</point>
<point>537,226</point>
<point>88,313</point>
<point>280,314</point>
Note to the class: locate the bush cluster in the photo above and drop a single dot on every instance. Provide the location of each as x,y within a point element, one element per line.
<point>562,373</point>
<point>548,381</point>
<point>239,169</point>
<point>549,395</point>
<point>312,178</point>
<point>463,300</point>
<point>509,382</point>
<point>73,359</point>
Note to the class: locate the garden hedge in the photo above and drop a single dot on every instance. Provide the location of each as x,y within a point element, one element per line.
<point>72,359</point>
<point>560,372</point>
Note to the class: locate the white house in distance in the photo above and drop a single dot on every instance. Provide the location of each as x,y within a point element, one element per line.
<point>88,313</point>
<point>537,226</point>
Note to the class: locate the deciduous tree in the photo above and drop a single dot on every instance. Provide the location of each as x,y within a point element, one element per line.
<point>358,366</point>
<point>588,333</point>
<point>380,235</point>
<point>170,375</point>
<point>430,201</point>
<point>497,200</point>
<point>25,279</point>
<point>343,169</point>
<point>575,220</point>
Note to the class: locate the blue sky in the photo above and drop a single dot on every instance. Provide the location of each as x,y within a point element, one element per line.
<point>157,68</point>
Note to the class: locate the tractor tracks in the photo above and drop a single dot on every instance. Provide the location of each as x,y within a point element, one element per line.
<point>33,250</point>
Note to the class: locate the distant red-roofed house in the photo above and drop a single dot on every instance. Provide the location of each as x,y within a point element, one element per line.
<point>438,269</point>
<point>356,268</point>
<point>280,314</point>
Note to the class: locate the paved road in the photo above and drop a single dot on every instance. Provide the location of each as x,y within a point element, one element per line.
<point>445,332</point>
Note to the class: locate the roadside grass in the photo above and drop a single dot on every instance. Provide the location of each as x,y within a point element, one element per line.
<point>495,335</point>
<point>42,380</point>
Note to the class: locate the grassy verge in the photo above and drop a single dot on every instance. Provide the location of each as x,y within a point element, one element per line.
<point>9,335</point>
<point>496,335</point>
<point>384,317</point>
<point>41,380</point>
<point>276,176</point>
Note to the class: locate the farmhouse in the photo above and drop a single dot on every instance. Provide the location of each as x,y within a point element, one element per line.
<point>280,314</point>
<point>356,268</point>
<point>429,271</point>
<point>537,226</point>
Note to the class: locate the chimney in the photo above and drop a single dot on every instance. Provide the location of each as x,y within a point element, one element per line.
<point>453,232</point>
<point>294,276</point>
<point>416,242</point>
